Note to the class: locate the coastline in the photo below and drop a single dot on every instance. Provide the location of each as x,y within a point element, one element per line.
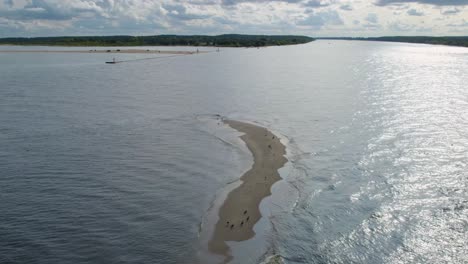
<point>240,210</point>
<point>106,51</point>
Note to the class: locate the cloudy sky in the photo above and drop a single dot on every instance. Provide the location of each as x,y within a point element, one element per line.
<point>307,17</point>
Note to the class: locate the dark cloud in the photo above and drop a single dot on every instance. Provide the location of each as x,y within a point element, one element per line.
<point>198,2</point>
<point>307,3</point>
<point>317,3</point>
<point>346,7</point>
<point>430,2</point>
<point>235,2</point>
<point>33,14</point>
<point>449,12</point>
<point>414,12</point>
<point>8,3</point>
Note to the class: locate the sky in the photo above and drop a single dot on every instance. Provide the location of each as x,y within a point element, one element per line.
<point>316,18</point>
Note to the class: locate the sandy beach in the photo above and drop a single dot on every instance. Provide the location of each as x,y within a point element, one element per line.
<point>240,211</point>
<point>127,51</point>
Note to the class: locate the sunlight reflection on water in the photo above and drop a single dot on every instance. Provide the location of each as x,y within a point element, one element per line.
<point>417,163</point>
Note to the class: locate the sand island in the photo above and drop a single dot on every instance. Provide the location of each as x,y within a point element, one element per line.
<point>240,211</point>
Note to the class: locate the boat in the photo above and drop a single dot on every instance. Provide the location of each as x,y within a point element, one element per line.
<point>112,62</point>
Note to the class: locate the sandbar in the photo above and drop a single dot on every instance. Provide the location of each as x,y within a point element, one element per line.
<point>240,211</point>
<point>128,51</point>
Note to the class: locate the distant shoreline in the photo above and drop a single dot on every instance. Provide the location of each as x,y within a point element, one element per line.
<point>231,40</point>
<point>461,41</point>
<point>240,211</point>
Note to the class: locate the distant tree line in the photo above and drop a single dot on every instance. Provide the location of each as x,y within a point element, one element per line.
<point>232,40</point>
<point>451,41</point>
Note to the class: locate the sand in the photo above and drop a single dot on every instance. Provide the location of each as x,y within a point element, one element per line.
<point>241,207</point>
<point>113,51</point>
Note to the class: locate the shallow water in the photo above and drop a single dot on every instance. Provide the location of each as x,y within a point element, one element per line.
<point>122,163</point>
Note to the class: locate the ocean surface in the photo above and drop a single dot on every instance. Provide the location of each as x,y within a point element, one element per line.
<point>126,163</point>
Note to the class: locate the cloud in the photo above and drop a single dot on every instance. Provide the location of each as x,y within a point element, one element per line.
<point>449,12</point>
<point>307,17</point>
<point>320,19</point>
<point>235,2</point>
<point>346,7</point>
<point>462,23</point>
<point>47,10</point>
<point>372,18</point>
<point>179,12</point>
<point>430,2</point>
<point>371,26</point>
<point>414,12</point>
<point>400,26</point>
<point>317,3</point>
<point>9,3</point>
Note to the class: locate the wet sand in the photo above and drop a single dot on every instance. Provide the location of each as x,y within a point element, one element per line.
<point>113,51</point>
<point>240,211</point>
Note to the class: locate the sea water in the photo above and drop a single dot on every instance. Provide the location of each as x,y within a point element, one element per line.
<point>124,163</point>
